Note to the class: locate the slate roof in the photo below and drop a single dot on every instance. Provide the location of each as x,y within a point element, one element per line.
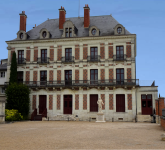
<point>3,66</point>
<point>106,25</point>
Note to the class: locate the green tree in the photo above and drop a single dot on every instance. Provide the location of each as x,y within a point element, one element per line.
<point>18,98</point>
<point>13,69</point>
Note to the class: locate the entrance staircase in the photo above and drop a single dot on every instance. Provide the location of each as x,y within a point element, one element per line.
<point>35,117</point>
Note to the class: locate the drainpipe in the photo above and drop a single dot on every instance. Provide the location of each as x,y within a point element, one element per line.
<point>136,106</point>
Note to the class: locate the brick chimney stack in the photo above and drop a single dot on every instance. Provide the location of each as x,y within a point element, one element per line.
<point>62,13</point>
<point>86,16</point>
<point>22,21</point>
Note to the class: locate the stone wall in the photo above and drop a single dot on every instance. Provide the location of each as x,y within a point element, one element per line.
<point>2,110</point>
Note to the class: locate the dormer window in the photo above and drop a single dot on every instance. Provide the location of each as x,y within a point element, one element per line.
<point>119,30</point>
<point>69,29</point>
<point>70,32</point>
<point>21,35</point>
<point>44,34</point>
<point>66,32</point>
<point>93,31</point>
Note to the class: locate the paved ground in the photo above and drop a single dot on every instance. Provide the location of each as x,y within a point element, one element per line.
<point>45,135</point>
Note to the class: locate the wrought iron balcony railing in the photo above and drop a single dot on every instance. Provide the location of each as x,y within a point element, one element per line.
<point>81,83</point>
<point>67,59</point>
<point>21,61</point>
<point>43,60</point>
<point>120,57</point>
<point>93,58</point>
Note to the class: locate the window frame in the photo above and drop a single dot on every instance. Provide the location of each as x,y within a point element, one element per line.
<point>20,59</point>
<point>95,56</point>
<point>120,81</point>
<point>2,90</point>
<point>20,74</point>
<point>44,51</point>
<point>120,56</point>
<point>2,74</point>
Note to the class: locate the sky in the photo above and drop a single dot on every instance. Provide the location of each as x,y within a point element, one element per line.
<point>145,18</point>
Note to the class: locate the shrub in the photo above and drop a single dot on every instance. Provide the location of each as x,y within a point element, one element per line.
<point>13,115</point>
<point>18,98</point>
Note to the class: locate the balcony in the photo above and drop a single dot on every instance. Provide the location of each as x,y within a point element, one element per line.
<point>21,61</point>
<point>44,60</point>
<point>94,58</point>
<point>68,59</point>
<point>81,83</point>
<point>119,57</point>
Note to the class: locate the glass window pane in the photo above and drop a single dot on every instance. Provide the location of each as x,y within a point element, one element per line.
<point>70,34</point>
<point>92,76</point>
<point>122,70</point>
<point>148,96</point>
<point>92,71</point>
<point>70,29</point>
<point>118,76</point>
<point>117,48</point>
<point>143,103</point>
<point>150,104</point>
<point>143,96</point>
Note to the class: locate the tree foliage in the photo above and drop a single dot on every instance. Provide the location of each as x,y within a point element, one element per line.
<point>18,98</point>
<point>13,70</point>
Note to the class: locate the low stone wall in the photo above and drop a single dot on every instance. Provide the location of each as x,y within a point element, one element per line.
<point>163,122</point>
<point>2,111</point>
<point>144,118</point>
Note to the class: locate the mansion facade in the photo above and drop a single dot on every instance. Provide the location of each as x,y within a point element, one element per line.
<point>69,63</point>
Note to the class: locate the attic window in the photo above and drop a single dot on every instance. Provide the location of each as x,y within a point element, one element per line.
<point>70,32</point>
<point>66,32</point>
<point>44,34</point>
<point>94,31</point>
<point>119,30</point>
<point>21,35</point>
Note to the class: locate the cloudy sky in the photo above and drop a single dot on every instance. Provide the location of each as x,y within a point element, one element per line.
<point>145,18</point>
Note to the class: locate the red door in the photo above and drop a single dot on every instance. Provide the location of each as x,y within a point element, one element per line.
<point>42,103</point>
<point>120,103</point>
<point>146,102</point>
<point>67,104</point>
<point>93,103</point>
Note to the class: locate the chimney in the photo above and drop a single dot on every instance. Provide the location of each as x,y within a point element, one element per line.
<point>62,13</point>
<point>22,21</point>
<point>86,16</point>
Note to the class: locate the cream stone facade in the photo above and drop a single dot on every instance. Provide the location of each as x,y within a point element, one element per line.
<point>66,77</point>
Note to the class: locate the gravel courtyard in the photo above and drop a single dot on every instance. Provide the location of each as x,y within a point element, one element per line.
<point>45,135</point>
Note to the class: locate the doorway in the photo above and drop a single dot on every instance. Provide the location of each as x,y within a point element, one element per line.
<point>93,103</point>
<point>146,103</point>
<point>67,104</point>
<point>42,103</point>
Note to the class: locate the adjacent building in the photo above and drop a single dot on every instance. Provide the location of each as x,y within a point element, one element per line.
<point>3,74</point>
<point>70,62</point>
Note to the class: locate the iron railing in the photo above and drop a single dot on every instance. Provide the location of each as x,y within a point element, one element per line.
<point>43,60</point>
<point>120,57</point>
<point>79,83</point>
<point>93,58</point>
<point>67,59</point>
<point>21,61</point>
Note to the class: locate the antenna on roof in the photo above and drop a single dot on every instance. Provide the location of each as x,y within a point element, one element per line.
<point>79,10</point>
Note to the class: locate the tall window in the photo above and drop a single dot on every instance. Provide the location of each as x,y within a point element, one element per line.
<point>119,76</point>
<point>44,55</point>
<point>20,77</point>
<point>43,77</point>
<point>94,76</point>
<point>68,54</point>
<point>94,53</point>
<point>3,90</point>
<point>20,57</point>
<point>2,74</point>
<point>68,77</point>
<point>119,53</point>
<point>68,33</point>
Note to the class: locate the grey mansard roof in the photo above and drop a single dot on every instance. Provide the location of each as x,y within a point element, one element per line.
<point>105,24</point>
<point>3,67</point>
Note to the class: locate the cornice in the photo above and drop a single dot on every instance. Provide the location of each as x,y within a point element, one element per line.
<point>72,39</point>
